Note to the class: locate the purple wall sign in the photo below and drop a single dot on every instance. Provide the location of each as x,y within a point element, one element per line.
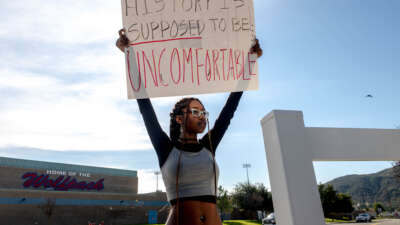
<point>61,183</point>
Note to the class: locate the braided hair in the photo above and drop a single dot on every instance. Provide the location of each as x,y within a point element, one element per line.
<point>175,127</point>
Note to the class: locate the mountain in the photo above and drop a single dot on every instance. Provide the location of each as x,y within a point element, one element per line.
<point>369,188</point>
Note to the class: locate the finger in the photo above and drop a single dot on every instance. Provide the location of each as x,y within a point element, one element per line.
<point>119,42</point>
<point>125,40</point>
<point>120,46</point>
<point>259,52</point>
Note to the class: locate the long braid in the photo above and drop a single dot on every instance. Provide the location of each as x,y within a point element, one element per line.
<point>213,156</point>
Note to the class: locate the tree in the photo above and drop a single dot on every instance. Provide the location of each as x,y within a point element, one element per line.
<point>343,203</point>
<point>328,198</point>
<point>334,203</point>
<point>252,197</point>
<point>378,207</point>
<point>267,204</point>
<point>224,201</point>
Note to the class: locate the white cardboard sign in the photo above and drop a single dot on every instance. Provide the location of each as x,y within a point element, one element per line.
<point>184,47</point>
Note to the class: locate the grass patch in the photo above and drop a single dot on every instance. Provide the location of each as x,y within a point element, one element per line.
<point>232,222</point>
<point>241,222</point>
<point>338,221</point>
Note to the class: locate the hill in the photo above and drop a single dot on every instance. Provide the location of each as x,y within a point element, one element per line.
<point>369,188</point>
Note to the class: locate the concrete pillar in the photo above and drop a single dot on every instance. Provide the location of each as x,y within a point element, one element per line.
<point>294,188</point>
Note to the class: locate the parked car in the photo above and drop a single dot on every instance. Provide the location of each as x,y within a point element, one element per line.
<point>270,219</point>
<point>363,217</point>
<point>373,217</point>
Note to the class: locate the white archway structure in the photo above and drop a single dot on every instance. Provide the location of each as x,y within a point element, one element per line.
<point>291,148</point>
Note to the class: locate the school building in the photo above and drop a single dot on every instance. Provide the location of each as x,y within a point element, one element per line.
<point>36,192</point>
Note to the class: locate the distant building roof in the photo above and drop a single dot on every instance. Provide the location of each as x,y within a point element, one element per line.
<point>32,164</point>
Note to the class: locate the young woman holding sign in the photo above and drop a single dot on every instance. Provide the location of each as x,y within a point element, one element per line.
<point>187,163</point>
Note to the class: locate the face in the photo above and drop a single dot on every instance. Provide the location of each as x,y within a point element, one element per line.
<point>193,123</point>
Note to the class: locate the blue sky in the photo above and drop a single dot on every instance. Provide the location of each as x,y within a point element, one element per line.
<point>63,87</point>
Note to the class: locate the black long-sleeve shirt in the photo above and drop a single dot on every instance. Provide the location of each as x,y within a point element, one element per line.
<point>163,144</point>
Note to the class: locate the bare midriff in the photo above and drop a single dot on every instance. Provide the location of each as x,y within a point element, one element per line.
<point>194,213</point>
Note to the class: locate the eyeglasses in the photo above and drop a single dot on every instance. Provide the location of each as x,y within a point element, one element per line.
<point>199,113</point>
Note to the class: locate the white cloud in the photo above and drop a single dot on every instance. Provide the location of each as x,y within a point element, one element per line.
<point>14,79</point>
<point>64,21</point>
<point>69,123</point>
<point>72,124</point>
<point>148,181</point>
<point>84,115</point>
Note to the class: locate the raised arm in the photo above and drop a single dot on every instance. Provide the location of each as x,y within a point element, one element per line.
<point>160,140</point>
<point>222,122</point>
<point>224,118</point>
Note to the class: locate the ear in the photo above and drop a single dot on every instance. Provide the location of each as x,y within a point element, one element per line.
<point>179,119</point>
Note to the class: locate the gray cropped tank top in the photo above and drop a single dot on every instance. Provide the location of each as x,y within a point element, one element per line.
<point>196,174</point>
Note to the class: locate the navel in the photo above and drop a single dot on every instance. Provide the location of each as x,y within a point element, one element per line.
<point>203,219</point>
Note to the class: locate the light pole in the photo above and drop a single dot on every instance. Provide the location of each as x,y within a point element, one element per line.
<point>247,166</point>
<point>157,173</point>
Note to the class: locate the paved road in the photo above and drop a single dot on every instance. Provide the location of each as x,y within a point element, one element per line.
<point>375,222</point>
<point>386,222</point>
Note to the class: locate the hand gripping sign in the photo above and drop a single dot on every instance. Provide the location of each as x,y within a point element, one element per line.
<point>183,47</point>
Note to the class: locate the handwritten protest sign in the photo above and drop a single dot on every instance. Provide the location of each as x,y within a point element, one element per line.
<point>183,47</point>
